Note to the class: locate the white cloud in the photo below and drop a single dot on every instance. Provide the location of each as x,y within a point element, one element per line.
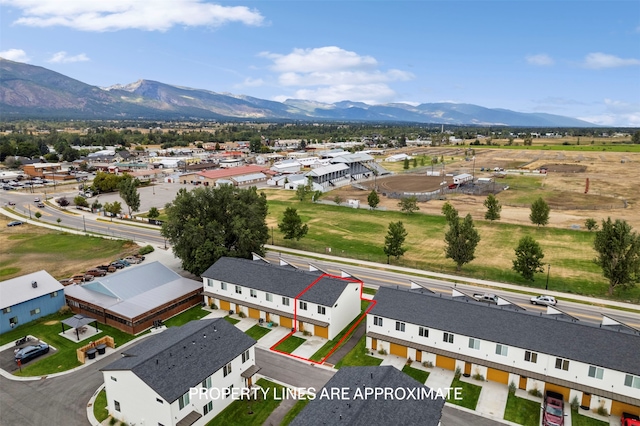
<point>600,60</point>
<point>331,74</point>
<point>616,113</point>
<point>114,15</point>
<point>541,59</point>
<point>17,55</point>
<point>62,58</point>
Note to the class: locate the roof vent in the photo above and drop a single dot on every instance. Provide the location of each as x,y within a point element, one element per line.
<point>34,284</point>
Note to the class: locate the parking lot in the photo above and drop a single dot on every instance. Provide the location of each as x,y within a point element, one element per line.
<point>8,363</point>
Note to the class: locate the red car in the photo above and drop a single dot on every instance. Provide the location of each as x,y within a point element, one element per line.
<point>553,409</point>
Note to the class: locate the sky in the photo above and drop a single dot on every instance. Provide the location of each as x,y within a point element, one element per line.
<point>574,58</point>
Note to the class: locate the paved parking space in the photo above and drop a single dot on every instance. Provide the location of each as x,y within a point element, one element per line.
<point>7,360</point>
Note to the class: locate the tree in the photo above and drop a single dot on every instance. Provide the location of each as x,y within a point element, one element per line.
<point>58,220</point>
<point>373,199</point>
<point>449,212</point>
<point>129,193</point>
<point>207,223</point>
<point>528,259</point>
<point>539,212</point>
<point>591,224</point>
<point>338,199</point>
<point>303,191</point>
<point>635,139</point>
<point>394,240</point>
<point>618,249</point>
<point>409,205</point>
<point>461,239</point>
<point>80,201</point>
<point>96,205</point>
<point>38,215</point>
<point>405,165</point>
<point>62,202</point>
<point>113,209</point>
<point>415,162</point>
<point>493,208</point>
<point>291,225</point>
<point>153,213</point>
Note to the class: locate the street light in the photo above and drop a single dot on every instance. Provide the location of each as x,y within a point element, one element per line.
<point>546,286</point>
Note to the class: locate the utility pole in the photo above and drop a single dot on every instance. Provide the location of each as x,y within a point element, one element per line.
<point>546,286</point>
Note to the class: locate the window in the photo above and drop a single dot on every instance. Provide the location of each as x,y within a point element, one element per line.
<point>114,379</point>
<point>423,332</point>
<point>253,293</point>
<point>159,400</point>
<point>322,310</point>
<point>377,321</point>
<point>35,311</point>
<point>448,337</point>
<point>238,289</point>
<point>206,383</point>
<point>13,321</point>
<point>502,350</point>
<point>208,407</point>
<point>632,381</point>
<point>269,297</point>
<point>226,370</point>
<point>6,310</point>
<point>209,282</point>
<point>474,343</point>
<point>54,294</point>
<point>245,356</point>
<point>285,301</point>
<point>223,286</point>
<point>530,356</point>
<point>183,401</point>
<point>399,326</point>
<point>116,405</point>
<point>562,364</point>
<point>303,305</point>
<point>596,372</point>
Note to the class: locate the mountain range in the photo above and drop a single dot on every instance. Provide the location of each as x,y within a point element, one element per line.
<point>28,91</point>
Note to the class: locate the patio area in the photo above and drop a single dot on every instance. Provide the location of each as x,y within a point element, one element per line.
<point>80,328</point>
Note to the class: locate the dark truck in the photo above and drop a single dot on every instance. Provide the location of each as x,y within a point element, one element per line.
<point>629,420</point>
<point>553,409</point>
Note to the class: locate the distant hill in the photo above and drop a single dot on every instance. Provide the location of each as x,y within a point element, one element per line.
<point>28,91</point>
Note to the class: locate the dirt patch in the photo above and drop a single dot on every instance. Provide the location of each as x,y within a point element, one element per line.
<point>51,322</point>
<point>408,183</point>
<point>564,168</point>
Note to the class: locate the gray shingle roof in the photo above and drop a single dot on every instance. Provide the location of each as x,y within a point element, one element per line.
<point>182,357</point>
<point>282,280</point>
<point>582,342</point>
<point>369,411</point>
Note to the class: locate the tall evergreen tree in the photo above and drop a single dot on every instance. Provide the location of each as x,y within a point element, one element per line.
<point>394,240</point>
<point>493,208</point>
<point>461,239</point>
<point>291,225</point>
<point>373,199</point>
<point>618,249</point>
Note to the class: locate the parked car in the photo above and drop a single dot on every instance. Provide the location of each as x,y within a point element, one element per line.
<point>629,420</point>
<point>14,223</point>
<point>116,264</point>
<point>487,297</point>
<point>107,268</point>
<point>133,259</point>
<point>553,409</point>
<point>67,281</point>
<point>96,272</point>
<point>123,262</point>
<point>544,300</point>
<point>81,278</point>
<point>139,256</point>
<point>30,352</point>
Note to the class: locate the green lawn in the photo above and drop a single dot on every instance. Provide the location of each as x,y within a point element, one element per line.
<point>232,320</point>
<point>237,413</point>
<point>288,418</point>
<point>419,375</point>
<point>359,356</point>
<point>191,314</point>
<point>290,344</point>
<point>326,348</point>
<point>100,406</point>
<point>578,419</point>
<point>257,331</point>
<point>367,290</point>
<point>470,394</point>
<point>522,411</point>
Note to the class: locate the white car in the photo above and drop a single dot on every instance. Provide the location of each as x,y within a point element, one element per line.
<point>544,300</point>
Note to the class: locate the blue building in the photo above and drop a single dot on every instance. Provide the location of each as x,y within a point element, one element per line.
<point>29,297</point>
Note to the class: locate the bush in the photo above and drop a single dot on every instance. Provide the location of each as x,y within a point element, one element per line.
<point>113,421</point>
<point>306,333</point>
<point>479,377</point>
<point>575,404</point>
<point>64,310</point>
<point>535,392</point>
<point>146,250</point>
<point>242,314</point>
<point>214,306</point>
<point>382,352</point>
<point>427,364</point>
<point>512,388</point>
<point>458,373</point>
<point>274,324</point>
<point>602,411</point>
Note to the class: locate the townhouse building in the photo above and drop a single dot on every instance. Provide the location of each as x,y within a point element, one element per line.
<point>160,380</point>
<point>309,301</point>
<point>597,364</point>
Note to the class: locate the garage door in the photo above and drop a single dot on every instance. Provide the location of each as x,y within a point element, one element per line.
<point>286,322</point>
<point>398,350</point>
<point>498,376</point>
<point>559,389</point>
<point>617,408</point>
<point>321,331</point>
<point>445,362</point>
<point>254,313</point>
<point>224,305</point>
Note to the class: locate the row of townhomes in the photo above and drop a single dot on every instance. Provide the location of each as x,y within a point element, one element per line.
<point>311,301</point>
<point>597,364</point>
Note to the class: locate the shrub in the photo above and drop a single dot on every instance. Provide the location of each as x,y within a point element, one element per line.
<point>602,411</point>
<point>409,361</point>
<point>38,215</point>
<point>113,421</point>
<point>242,314</point>
<point>574,403</point>
<point>512,388</point>
<point>382,352</point>
<point>146,250</point>
<point>65,310</point>
<point>214,306</point>
<point>306,333</point>
<point>535,392</point>
<point>427,364</point>
<point>274,324</point>
<point>458,373</point>
<point>479,377</point>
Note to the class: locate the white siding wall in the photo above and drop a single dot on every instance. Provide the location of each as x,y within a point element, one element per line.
<point>578,372</point>
<point>347,307</point>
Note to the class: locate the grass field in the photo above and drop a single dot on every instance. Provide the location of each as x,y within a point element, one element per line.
<point>324,350</point>
<point>257,331</point>
<point>231,320</point>
<point>100,406</point>
<point>191,314</point>
<point>251,412</point>
<point>578,419</point>
<point>290,344</point>
<point>359,234</point>
<point>419,375</point>
<point>359,356</point>
<point>522,411</point>
<point>470,394</point>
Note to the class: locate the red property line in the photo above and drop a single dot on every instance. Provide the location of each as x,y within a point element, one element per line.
<point>295,320</point>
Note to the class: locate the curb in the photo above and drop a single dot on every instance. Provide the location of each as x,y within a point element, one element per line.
<point>90,416</point>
